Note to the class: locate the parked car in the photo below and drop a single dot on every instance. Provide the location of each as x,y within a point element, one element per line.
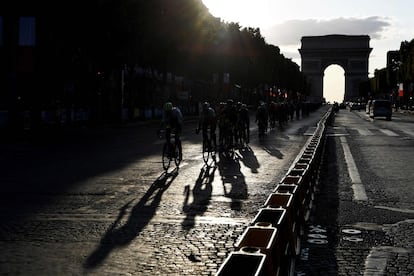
<point>381,108</point>
<point>356,106</point>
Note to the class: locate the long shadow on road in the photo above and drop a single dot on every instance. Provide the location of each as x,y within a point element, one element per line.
<point>201,197</point>
<point>234,182</point>
<point>249,159</point>
<point>140,216</point>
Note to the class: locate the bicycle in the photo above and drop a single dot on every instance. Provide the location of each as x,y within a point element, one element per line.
<point>262,126</point>
<point>242,135</point>
<point>170,152</point>
<point>209,150</point>
<point>227,149</point>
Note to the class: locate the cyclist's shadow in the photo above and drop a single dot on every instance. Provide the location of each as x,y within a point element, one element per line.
<point>249,159</point>
<point>273,150</point>
<point>140,215</point>
<point>201,196</point>
<point>232,176</point>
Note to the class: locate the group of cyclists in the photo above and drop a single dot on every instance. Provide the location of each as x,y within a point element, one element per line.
<point>232,120</point>
<point>282,112</point>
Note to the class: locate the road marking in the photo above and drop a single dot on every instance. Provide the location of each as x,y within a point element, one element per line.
<point>409,132</point>
<point>364,132</point>
<point>388,132</point>
<point>376,261</point>
<point>408,211</point>
<point>357,186</point>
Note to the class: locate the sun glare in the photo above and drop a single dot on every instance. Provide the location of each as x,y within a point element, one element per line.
<point>248,13</point>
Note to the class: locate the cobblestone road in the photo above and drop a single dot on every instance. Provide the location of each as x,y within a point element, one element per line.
<point>98,204</point>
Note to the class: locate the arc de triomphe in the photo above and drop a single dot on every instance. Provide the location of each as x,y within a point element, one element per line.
<point>351,52</point>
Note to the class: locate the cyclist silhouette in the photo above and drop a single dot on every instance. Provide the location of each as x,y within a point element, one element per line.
<point>172,120</point>
<point>208,120</point>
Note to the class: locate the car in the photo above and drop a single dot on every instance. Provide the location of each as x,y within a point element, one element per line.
<point>381,108</point>
<point>355,106</point>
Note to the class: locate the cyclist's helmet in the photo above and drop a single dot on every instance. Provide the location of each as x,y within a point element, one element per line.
<point>229,102</point>
<point>168,106</point>
<point>206,105</point>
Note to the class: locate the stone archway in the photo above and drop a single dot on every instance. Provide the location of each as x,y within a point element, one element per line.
<point>351,52</point>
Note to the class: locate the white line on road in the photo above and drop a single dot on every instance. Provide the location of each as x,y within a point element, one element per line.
<point>357,186</point>
<point>408,211</point>
<point>409,132</point>
<point>389,132</point>
<point>365,132</point>
<point>376,261</point>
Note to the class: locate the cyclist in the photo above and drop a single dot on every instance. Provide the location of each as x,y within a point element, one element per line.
<point>243,122</point>
<point>172,120</point>
<point>262,119</point>
<point>221,120</point>
<point>272,114</point>
<point>230,118</point>
<point>207,120</point>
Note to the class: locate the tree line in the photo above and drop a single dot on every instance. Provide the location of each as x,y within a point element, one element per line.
<point>85,45</point>
<point>173,36</point>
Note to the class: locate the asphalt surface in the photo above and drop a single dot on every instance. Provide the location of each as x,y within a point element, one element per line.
<point>346,237</point>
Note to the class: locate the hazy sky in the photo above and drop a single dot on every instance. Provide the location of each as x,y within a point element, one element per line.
<point>283,23</point>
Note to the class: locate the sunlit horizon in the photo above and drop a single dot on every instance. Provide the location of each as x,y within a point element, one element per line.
<point>283,23</point>
<point>334,83</point>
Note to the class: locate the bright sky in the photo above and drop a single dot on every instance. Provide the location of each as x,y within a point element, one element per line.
<point>283,23</point>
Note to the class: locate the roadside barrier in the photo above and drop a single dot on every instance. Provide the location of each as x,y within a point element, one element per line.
<point>284,248</point>
<point>271,242</point>
<point>267,240</point>
<point>285,200</point>
<point>277,199</point>
<point>248,261</point>
<point>306,188</point>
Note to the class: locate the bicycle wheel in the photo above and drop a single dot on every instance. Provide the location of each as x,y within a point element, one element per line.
<point>177,155</point>
<point>166,156</point>
<point>228,150</point>
<point>206,153</point>
<point>243,140</point>
<point>209,153</point>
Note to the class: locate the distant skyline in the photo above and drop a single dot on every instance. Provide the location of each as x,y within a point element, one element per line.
<point>283,23</point>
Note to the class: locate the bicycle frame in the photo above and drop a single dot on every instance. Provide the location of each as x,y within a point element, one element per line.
<point>171,152</point>
<point>208,149</point>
